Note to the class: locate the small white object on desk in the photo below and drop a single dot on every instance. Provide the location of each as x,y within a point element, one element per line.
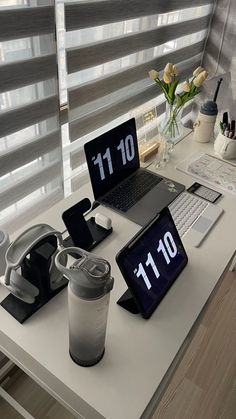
<point>103,221</point>
<point>205,123</point>
<point>225,147</point>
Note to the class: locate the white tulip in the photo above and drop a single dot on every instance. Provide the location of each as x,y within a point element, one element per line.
<point>168,68</point>
<point>167,78</point>
<point>198,71</point>
<point>153,74</point>
<point>186,86</point>
<point>175,71</point>
<point>199,80</point>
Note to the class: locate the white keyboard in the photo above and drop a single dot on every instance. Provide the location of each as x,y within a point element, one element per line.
<point>193,217</point>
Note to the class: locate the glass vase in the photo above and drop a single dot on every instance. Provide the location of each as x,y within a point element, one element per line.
<point>162,156</point>
<point>171,126</point>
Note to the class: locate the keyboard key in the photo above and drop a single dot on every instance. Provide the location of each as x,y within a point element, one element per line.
<point>185,210</point>
<point>131,190</point>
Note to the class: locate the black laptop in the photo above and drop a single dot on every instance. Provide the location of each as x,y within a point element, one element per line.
<point>119,182</point>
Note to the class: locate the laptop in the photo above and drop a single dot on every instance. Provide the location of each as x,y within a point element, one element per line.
<point>120,183</point>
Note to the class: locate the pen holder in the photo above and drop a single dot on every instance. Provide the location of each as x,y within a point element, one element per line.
<point>225,147</point>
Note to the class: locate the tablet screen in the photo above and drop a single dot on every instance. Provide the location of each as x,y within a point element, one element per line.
<point>151,262</point>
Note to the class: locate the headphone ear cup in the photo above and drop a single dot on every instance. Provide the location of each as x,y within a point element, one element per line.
<point>21,288</point>
<point>56,276</point>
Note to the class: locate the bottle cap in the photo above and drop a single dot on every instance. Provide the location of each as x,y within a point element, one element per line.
<point>89,276</point>
<point>209,108</point>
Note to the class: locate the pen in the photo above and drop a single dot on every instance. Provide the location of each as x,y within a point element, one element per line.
<point>227,131</point>
<point>232,128</point>
<point>225,118</point>
<point>224,127</point>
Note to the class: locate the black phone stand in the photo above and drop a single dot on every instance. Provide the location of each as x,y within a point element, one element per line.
<point>127,302</point>
<point>91,233</point>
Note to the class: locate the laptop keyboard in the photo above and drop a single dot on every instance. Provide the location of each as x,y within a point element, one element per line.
<point>130,191</point>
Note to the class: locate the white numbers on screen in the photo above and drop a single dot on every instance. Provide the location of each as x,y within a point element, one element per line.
<point>151,262</point>
<point>141,272</point>
<point>126,148</point>
<point>167,248</point>
<point>99,160</point>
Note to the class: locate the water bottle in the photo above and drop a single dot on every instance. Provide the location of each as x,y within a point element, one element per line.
<point>205,123</point>
<point>90,283</point>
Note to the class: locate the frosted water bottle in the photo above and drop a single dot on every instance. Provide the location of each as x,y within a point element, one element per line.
<point>205,123</point>
<point>89,289</point>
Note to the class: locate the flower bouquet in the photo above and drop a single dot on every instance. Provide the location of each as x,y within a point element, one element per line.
<point>175,101</point>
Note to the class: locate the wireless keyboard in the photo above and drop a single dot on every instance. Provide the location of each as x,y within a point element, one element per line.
<point>193,217</point>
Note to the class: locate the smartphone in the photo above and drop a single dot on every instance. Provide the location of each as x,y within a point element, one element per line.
<point>204,192</point>
<point>76,225</point>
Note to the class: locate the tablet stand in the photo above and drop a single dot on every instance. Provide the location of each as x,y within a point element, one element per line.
<point>128,303</point>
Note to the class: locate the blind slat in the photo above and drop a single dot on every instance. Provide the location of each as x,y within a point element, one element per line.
<point>88,92</point>
<point>92,121</point>
<point>77,157</point>
<point>29,63</point>
<point>21,117</point>
<point>13,159</point>
<point>30,184</point>
<point>84,57</point>
<point>90,13</point>
<point>21,73</point>
<point>12,223</point>
<point>96,119</point>
<point>79,180</point>
<point>16,23</point>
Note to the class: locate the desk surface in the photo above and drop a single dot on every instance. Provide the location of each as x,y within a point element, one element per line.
<point>138,352</point>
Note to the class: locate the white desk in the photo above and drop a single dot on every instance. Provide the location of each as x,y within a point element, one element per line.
<point>138,352</point>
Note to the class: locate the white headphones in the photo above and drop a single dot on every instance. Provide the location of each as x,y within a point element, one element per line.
<point>17,251</point>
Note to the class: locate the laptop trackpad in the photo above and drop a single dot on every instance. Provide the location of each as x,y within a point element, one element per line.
<point>202,224</point>
<point>152,203</point>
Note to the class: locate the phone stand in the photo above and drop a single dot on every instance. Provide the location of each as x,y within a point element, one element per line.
<point>127,302</point>
<point>91,233</point>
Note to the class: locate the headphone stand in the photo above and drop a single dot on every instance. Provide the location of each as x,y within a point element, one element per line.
<point>36,269</point>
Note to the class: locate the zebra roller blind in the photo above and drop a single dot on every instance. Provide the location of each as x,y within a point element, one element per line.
<point>30,143</point>
<point>110,47</point>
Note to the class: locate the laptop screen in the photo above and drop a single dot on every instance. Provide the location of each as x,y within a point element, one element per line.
<point>151,262</point>
<point>112,157</point>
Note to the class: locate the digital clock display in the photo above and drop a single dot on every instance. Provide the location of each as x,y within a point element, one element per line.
<point>151,262</point>
<point>112,157</point>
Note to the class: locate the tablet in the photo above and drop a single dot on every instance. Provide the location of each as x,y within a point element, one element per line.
<point>152,261</point>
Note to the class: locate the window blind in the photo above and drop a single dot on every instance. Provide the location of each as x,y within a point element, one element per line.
<point>110,47</point>
<point>30,142</point>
